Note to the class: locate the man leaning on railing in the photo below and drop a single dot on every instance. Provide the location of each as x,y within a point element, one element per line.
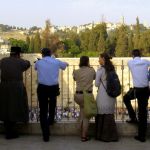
<point>48,89</point>
<point>139,70</point>
<point>13,95</point>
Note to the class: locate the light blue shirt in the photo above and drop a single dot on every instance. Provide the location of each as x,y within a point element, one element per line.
<point>139,70</point>
<point>48,70</point>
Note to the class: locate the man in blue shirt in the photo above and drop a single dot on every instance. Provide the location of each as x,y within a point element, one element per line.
<point>48,88</point>
<point>139,70</point>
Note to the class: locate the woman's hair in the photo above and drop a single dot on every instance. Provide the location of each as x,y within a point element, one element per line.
<point>84,61</point>
<point>108,65</point>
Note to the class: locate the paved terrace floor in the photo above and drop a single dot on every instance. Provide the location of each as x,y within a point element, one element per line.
<point>70,143</point>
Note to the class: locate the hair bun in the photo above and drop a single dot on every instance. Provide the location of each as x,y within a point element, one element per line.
<point>110,57</point>
<point>106,56</point>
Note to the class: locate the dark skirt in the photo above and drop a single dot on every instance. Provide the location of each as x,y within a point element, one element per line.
<point>13,102</point>
<point>106,129</point>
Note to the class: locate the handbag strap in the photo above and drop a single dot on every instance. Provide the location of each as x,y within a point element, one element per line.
<point>103,84</point>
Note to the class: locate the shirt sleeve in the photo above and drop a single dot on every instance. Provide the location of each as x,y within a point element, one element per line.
<point>98,77</point>
<point>62,65</point>
<point>129,64</point>
<point>74,76</point>
<point>25,64</point>
<point>35,66</point>
<point>94,74</point>
<point>148,62</point>
<point>0,64</point>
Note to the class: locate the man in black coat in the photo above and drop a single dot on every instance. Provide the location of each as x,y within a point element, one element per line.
<point>13,95</point>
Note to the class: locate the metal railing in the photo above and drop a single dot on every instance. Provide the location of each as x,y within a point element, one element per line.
<point>67,109</point>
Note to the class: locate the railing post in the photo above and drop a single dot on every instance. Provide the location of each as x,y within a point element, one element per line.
<point>68,98</point>
<point>61,94</point>
<point>31,87</point>
<point>122,93</point>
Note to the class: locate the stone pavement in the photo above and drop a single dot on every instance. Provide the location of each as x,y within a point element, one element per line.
<point>70,143</point>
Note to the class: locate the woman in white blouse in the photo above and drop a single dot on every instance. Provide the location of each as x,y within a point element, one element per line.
<point>105,122</point>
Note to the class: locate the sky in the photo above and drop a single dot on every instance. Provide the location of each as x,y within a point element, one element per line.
<point>28,13</point>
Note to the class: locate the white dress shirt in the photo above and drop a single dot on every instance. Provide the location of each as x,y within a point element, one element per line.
<point>139,70</point>
<point>48,70</point>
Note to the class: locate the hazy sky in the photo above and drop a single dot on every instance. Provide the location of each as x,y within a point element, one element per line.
<point>27,13</point>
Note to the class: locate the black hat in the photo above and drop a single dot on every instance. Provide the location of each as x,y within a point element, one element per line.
<point>15,50</point>
<point>46,51</point>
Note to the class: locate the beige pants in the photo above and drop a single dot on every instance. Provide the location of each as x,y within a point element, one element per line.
<point>84,122</point>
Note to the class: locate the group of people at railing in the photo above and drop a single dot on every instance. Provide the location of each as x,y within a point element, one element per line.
<point>13,96</point>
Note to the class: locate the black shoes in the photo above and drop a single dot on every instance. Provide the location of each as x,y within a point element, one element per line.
<point>46,138</point>
<point>12,136</point>
<point>52,122</point>
<point>134,121</point>
<point>84,139</point>
<point>140,139</point>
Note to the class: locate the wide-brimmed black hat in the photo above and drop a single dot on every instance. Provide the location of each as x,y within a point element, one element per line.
<point>15,50</point>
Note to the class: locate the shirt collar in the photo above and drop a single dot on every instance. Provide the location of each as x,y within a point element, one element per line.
<point>137,58</point>
<point>46,57</point>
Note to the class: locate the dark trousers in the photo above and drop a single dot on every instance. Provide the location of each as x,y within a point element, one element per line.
<point>47,104</point>
<point>142,95</point>
<point>130,95</point>
<point>10,129</point>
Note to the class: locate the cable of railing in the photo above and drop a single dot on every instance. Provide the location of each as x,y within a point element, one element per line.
<point>122,69</point>
<point>73,92</point>
<point>31,86</point>
<point>67,88</point>
<point>68,91</point>
<point>61,94</point>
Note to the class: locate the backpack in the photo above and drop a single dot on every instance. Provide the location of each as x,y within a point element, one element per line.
<point>148,75</point>
<point>113,84</point>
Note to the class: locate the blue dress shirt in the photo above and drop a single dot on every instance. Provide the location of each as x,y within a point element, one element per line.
<point>139,70</point>
<point>48,70</point>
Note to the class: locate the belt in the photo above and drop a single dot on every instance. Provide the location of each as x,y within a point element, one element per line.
<point>141,87</point>
<point>81,92</point>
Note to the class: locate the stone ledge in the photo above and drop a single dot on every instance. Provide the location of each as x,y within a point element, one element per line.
<point>72,128</point>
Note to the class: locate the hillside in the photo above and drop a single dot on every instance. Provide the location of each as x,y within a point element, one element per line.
<point>13,34</point>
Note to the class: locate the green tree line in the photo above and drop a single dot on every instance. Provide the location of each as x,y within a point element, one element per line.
<point>91,42</point>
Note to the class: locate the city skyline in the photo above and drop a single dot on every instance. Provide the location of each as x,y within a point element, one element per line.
<point>72,12</point>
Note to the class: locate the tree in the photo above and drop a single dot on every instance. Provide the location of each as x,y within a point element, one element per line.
<point>71,49</point>
<point>111,42</point>
<point>46,34</point>
<point>20,43</point>
<point>84,39</point>
<point>145,43</point>
<point>130,43</point>
<point>102,36</point>
<point>101,46</point>
<point>28,42</point>
<point>98,36</point>
<point>92,46</point>
<point>122,42</point>
<point>137,34</point>
<point>31,46</point>
<point>37,43</point>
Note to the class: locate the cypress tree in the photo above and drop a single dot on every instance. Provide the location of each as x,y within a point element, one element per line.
<point>122,42</point>
<point>92,46</point>
<point>46,35</point>
<point>31,46</point>
<point>37,43</point>
<point>84,38</point>
<point>130,43</point>
<point>137,34</point>
<point>28,43</point>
